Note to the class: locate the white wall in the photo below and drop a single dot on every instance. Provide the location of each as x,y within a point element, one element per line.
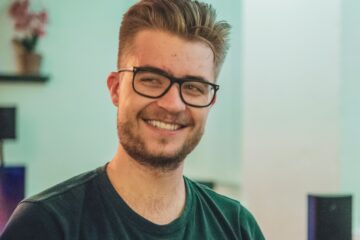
<point>291,101</point>
<point>350,89</point>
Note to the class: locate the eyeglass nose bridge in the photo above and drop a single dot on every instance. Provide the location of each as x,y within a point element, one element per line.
<point>174,80</point>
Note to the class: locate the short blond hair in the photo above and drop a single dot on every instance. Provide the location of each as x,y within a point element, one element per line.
<point>188,19</point>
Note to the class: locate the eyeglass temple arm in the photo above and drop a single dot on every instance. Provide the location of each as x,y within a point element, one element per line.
<point>125,70</point>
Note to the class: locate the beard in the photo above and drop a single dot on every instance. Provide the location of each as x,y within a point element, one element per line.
<point>136,145</point>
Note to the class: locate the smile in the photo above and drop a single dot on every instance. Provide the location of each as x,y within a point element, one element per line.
<point>163,125</point>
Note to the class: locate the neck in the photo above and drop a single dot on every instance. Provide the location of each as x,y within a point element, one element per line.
<point>156,195</point>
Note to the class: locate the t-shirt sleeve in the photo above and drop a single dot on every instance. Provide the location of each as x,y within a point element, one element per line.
<point>250,230</point>
<point>31,221</point>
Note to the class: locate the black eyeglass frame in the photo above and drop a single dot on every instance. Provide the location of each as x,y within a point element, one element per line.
<point>173,80</point>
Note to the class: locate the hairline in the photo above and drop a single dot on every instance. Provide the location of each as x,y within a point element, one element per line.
<point>128,48</point>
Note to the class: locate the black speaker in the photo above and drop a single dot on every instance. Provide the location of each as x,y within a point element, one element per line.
<point>329,217</point>
<point>7,123</point>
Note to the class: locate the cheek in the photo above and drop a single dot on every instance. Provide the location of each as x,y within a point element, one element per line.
<point>125,108</point>
<point>201,117</point>
<point>126,95</point>
<point>131,104</point>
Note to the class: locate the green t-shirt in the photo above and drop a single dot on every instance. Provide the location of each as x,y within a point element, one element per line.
<point>88,207</point>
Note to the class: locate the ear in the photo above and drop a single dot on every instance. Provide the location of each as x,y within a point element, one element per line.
<point>113,82</point>
<point>213,101</point>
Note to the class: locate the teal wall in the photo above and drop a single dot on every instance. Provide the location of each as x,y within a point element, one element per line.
<point>67,125</point>
<point>350,89</point>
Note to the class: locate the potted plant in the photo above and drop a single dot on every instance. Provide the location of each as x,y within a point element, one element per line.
<point>29,26</point>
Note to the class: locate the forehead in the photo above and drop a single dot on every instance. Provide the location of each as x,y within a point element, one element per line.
<point>177,56</point>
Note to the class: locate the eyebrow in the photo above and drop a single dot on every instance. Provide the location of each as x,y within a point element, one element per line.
<point>163,72</point>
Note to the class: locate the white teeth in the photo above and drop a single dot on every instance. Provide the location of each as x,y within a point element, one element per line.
<point>163,125</point>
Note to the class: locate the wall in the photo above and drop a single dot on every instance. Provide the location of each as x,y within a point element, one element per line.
<point>350,151</point>
<point>67,125</point>
<point>275,131</point>
<point>291,124</point>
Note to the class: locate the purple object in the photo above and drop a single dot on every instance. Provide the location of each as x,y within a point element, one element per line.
<point>12,181</point>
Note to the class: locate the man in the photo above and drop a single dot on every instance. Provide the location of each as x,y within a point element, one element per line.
<point>170,54</point>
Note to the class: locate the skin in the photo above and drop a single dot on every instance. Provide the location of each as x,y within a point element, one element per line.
<point>156,192</point>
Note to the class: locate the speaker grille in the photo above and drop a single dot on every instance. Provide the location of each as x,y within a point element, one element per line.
<point>329,217</point>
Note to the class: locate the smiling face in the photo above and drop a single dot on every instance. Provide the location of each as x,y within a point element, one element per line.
<point>160,132</point>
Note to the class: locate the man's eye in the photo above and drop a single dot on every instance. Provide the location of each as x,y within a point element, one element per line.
<point>195,88</point>
<point>151,81</point>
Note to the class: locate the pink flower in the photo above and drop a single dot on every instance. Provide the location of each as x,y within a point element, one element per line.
<point>22,23</point>
<point>39,31</point>
<point>43,17</point>
<point>26,22</point>
<point>19,8</point>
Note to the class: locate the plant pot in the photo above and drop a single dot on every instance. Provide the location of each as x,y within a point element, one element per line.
<point>27,63</point>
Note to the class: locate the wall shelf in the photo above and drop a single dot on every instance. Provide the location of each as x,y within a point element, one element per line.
<point>23,78</point>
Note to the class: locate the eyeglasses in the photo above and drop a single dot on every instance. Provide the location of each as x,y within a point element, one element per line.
<point>154,83</point>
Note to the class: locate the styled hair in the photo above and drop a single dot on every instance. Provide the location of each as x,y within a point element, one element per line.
<point>187,19</point>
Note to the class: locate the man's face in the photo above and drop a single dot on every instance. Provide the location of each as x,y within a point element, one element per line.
<point>160,132</point>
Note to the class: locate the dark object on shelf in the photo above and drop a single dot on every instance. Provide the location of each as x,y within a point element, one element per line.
<point>329,217</point>
<point>7,122</point>
<point>7,127</point>
<point>23,78</point>
<point>12,189</point>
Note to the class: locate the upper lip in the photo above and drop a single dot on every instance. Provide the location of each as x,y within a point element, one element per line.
<point>158,114</point>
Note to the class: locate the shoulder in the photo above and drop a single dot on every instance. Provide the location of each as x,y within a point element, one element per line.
<point>227,210</point>
<point>75,184</point>
<point>31,221</point>
<point>209,196</point>
<point>49,214</point>
<point>67,199</point>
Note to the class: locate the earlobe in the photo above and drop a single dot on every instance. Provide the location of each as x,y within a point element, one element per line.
<point>113,86</point>
<point>213,101</point>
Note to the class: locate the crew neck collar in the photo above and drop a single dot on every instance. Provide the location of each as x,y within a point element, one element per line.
<point>147,226</point>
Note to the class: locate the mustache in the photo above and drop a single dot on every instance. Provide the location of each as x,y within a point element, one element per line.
<point>160,114</point>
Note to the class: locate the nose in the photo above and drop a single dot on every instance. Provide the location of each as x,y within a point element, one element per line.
<point>171,101</point>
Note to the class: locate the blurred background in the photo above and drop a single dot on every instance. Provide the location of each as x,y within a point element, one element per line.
<point>285,123</point>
